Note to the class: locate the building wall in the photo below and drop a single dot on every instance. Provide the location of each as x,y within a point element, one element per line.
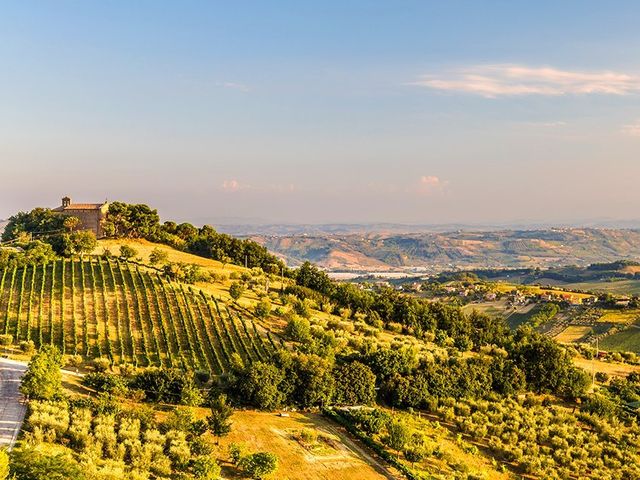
<point>89,219</point>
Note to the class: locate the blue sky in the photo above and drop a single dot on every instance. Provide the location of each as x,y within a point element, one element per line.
<point>307,112</point>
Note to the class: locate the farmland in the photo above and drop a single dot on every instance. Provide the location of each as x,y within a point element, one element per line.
<point>125,312</point>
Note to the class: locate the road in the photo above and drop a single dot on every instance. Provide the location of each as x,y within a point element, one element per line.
<point>12,404</point>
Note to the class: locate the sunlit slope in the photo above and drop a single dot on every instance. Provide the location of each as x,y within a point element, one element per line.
<point>128,313</point>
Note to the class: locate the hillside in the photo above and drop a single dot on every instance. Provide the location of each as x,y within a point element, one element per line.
<point>466,249</point>
<point>125,312</point>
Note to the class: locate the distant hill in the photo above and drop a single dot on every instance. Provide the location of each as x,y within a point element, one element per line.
<point>458,249</point>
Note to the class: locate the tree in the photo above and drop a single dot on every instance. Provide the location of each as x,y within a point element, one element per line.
<point>398,435</point>
<point>218,421</point>
<point>205,468</point>
<point>298,329</point>
<point>71,223</point>
<point>263,308</point>
<point>259,385</point>
<point>43,379</point>
<point>259,465</point>
<point>236,289</point>
<point>30,464</point>
<point>158,256</point>
<point>127,252</point>
<point>355,384</point>
<point>79,243</point>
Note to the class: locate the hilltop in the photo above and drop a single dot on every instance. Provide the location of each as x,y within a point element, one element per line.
<point>437,251</point>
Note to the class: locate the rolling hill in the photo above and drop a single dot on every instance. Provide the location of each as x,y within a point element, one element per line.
<point>461,249</point>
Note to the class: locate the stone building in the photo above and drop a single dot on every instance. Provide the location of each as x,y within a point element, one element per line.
<point>91,215</point>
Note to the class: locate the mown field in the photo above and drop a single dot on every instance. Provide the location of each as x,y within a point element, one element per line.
<point>127,313</point>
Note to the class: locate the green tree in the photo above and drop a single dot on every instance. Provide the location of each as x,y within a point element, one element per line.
<point>79,243</point>
<point>298,329</point>
<point>398,435</point>
<point>259,465</point>
<point>355,384</point>
<point>263,308</point>
<point>259,385</point>
<point>127,252</point>
<point>221,412</point>
<point>30,464</point>
<point>205,468</point>
<point>158,256</point>
<point>236,289</point>
<point>43,379</point>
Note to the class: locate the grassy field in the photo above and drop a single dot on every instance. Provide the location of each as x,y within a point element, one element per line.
<point>335,457</point>
<point>619,287</point>
<point>573,334</point>
<point>625,341</point>
<point>127,313</point>
<point>506,287</point>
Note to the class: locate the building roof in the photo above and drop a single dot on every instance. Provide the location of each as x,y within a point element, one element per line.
<point>80,206</point>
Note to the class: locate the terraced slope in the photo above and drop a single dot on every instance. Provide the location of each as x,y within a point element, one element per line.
<point>128,313</point>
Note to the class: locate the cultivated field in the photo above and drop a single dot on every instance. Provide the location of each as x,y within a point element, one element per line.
<point>127,313</point>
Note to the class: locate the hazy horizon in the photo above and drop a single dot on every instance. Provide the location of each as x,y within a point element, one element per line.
<point>424,113</point>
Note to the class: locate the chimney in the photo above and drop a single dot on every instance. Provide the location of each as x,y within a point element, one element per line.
<point>66,201</point>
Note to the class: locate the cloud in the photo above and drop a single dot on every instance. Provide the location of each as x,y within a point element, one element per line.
<point>632,129</point>
<point>430,184</point>
<point>232,185</point>
<point>504,80</point>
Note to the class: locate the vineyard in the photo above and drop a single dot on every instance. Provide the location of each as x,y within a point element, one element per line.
<point>127,313</point>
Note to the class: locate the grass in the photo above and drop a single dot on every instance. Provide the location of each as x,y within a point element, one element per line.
<point>627,340</point>
<point>339,459</point>
<point>573,334</point>
<point>612,369</point>
<point>620,316</point>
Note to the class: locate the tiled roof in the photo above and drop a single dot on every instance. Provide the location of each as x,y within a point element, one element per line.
<point>80,206</point>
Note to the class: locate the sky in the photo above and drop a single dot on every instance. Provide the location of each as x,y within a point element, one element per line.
<point>342,111</point>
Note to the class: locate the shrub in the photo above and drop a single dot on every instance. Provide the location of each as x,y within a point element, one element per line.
<point>27,347</point>
<point>6,339</point>
<point>127,252</point>
<point>259,465</point>
<point>236,289</point>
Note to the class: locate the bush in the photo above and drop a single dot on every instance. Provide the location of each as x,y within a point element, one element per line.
<point>127,252</point>
<point>27,347</point>
<point>259,465</point>
<point>6,339</point>
<point>236,289</point>
<point>298,329</point>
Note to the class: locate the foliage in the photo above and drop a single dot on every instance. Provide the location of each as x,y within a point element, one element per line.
<point>30,464</point>
<point>221,412</point>
<point>236,289</point>
<point>263,308</point>
<point>127,252</point>
<point>259,465</point>
<point>158,256</point>
<point>355,384</point>
<point>43,379</point>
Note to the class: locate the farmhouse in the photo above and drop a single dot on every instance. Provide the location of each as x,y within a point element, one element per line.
<point>91,215</point>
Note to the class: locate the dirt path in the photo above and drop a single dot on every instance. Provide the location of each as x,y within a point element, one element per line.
<point>12,404</point>
<point>361,452</point>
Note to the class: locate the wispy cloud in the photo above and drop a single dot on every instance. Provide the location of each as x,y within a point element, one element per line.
<point>430,184</point>
<point>500,80</point>
<point>632,129</point>
<point>233,185</point>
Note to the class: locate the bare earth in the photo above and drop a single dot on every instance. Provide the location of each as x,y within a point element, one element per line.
<point>12,404</point>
